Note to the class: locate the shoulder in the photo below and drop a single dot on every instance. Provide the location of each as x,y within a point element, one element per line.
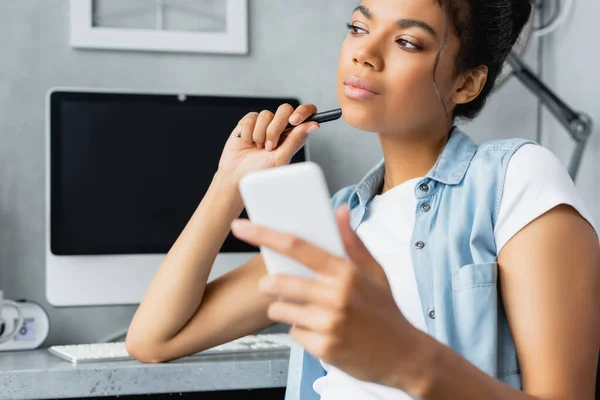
<point>537,158</point>
<point>486,174</point>
<point>492,160</point>
<point>502,147</point>
<point>526,161</point>
<point>489,164</point>
<point>493,157</point>
<point>535,168</point>
<point>536,182</point>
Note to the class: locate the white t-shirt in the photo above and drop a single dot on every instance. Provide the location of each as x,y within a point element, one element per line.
<point>535,183</point>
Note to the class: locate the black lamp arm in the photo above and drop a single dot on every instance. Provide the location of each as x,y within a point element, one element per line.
<point>579,125</point>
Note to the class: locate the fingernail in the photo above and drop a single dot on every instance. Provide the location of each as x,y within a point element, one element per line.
<point>295,119</point>
<point>269,146</point>
<point>312,129</point>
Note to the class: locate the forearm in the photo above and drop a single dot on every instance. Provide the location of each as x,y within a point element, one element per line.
<point>435,372</point>
<point>178,286</point>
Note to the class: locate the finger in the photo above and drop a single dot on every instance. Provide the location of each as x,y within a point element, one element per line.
<point>299,289</point>
<point>313,342</point>
<point>259,134</point>
<point>354,246</point>
<point>300,250</point>
<point>277,125</point>
<point>247,124</point>
<point>291,116</point>
<point>307,316</point>
<point>302,113</point>
<point>297,139</point>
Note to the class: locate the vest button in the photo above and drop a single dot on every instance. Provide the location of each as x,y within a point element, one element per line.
<point>424,188</point>
<point>425,207</point>
<point>419,245</point>
<point>431,314</point>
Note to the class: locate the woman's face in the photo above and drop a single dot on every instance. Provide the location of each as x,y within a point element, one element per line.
<point>385,71</point>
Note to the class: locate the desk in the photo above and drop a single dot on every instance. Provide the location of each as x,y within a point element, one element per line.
<point>41,375</point>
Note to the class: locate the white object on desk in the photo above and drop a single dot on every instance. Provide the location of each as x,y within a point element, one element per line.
<point>31,326</point>
<point>4,335</point>
<point>99,352</point>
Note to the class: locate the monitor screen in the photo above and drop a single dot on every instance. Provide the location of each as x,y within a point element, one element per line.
<point>128,170</point>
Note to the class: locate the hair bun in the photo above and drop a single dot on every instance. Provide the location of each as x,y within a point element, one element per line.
<point>488,31</point>
<point>522,10</point>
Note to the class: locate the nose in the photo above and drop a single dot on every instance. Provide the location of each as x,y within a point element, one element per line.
<point>369,56</point>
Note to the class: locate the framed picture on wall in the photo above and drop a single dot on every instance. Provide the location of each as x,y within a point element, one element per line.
<point>189,26</point>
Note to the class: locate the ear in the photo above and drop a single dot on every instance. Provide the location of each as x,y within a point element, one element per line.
<point>470,84</point>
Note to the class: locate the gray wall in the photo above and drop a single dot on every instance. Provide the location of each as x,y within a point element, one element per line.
<point>294,50</point>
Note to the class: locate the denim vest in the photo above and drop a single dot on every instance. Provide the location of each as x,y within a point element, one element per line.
<point>454,257</point>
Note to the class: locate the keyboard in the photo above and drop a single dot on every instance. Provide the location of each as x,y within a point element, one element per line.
<point>107,352</point>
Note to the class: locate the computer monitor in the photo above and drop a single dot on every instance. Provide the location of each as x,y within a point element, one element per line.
<point>125,172</point>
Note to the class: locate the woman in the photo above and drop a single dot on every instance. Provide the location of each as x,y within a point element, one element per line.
<point>472,271</point>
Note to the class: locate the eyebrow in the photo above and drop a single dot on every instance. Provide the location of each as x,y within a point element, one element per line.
<point>402,23</point>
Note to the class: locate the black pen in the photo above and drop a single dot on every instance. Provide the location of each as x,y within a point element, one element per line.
<point>321,117</point>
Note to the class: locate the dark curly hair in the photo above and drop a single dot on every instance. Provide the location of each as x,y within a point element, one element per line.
<point>488,30</point>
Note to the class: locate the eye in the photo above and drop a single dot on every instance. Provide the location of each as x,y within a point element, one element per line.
<point>355,30</point>
<point>407,44</point>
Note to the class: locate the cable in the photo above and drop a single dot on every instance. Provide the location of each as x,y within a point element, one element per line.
<point>542,18</point>
<point>540,106</point>
<point>558,21</point>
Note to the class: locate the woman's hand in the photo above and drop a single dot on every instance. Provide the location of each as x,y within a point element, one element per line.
<point>261,144</point>
<point>347,316</point>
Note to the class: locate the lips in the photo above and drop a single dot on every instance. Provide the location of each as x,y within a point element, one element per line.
<point>359,89</point>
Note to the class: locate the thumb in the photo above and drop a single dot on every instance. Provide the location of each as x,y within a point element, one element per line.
<point>355,248</point>
<point>296,139</point>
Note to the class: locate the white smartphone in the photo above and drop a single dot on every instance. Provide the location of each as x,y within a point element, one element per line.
<point>293,199</point>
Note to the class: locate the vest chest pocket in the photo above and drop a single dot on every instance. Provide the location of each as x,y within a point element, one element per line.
<point>475,306</point>
<point>475,275</point>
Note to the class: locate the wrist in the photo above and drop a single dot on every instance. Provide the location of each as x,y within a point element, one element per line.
<point>418,364</point>
<point>223,181</point>
<point>224,189</point>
